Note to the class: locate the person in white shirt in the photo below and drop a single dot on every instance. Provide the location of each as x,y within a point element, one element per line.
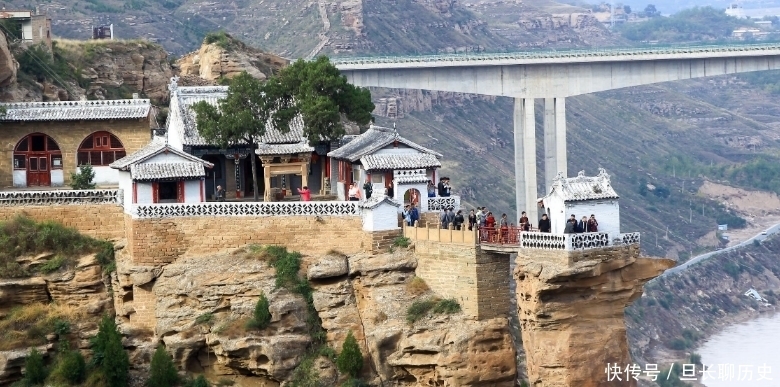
<point>354,193</point>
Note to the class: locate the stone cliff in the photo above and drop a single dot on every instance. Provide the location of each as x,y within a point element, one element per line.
<point>219,60</point>
<point>570,307</point>
<point>200,311</point>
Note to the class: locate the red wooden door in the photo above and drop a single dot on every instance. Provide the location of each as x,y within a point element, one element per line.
<point>38,170</point>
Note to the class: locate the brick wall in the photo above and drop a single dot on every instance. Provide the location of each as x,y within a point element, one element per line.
<point>478,280</point>
<point>133,133</point>
<point>436,234</point>
<point>381,241</point>
<point>161,241</point>
<point>144,304</point>
<point>104,221</point>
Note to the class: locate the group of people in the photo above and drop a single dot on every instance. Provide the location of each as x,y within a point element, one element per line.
<point>584,225</point>
<point>443,189</point>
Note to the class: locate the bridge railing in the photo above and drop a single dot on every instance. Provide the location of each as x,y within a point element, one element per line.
<point>641,50</point>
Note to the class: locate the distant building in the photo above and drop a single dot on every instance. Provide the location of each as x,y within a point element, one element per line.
<point>103,32</point>
<point>736,11</point>
<point>35,29</point>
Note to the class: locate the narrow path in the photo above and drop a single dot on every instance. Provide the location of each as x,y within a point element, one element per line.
<point>324,39</point>
<point>758,237</point>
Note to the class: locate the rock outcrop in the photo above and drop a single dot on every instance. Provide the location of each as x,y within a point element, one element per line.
<point>570,307</point>
<point>8,64</point>
<point>214,62</point>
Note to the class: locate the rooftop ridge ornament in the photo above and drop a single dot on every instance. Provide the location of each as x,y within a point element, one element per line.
<point>174,84</point>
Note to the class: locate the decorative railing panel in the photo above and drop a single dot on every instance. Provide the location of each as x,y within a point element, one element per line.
<point>542,240</point>
<point>439,203</point>
<point>631,238</point>
<point>588,240</point>
<point>55,197</point>
<point>332,208</point>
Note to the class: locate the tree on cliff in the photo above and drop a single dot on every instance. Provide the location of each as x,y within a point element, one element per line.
<point>239,118</point>
<point>109,354</point>
<point>162,372</point>
<point>321,95</point>
<point>350,360</point>
<point>261,317</point>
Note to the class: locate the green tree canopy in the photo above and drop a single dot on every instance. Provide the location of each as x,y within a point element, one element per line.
<point>162,372</point>
<point>240,117</point>
<point>321,95</point>
<point>109,354</point>
<point>350,360</point>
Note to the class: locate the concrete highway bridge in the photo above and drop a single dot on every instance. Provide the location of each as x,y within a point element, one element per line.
<point>553,76</point>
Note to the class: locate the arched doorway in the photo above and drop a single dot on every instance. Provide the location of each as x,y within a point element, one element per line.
<point>412,196</point>
<point>37,161</point>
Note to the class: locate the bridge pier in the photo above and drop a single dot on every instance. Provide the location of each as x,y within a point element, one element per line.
<point>525,150</point>
<point>525,158</point>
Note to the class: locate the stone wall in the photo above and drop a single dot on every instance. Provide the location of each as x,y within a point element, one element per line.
<point>478,280</point>
<point>134,134</point>
<point>104,221</point>
<point>161,240</point>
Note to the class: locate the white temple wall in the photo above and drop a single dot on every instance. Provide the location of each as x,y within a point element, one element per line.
<point>104,175</point>
<point>57,177</point>
<point>193,191</point>
<point>20,177</point>
<point>607,213</point>
<point>144,192</point>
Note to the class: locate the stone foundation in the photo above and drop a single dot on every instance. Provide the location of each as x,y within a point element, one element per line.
<point>570,307</point>
<point>479,280</point>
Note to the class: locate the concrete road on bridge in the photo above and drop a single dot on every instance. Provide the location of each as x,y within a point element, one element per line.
<point>699,258</point>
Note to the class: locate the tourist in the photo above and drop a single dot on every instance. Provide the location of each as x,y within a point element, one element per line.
<point>544,224</point>
<point>447,187</point>
<point>431,189</point>
<point>523,222</point>
<point>369,188</point>
<point>354,193</point>
<point>582,226</point>
<point>571,225</point>
<point>447,217</point>
<point>407,215</point>
<point>593,225</point>
<point>504,228</point>
<point>414,197</point>
<point>472,219</point>
<point>390,191</point>
<point>480,217</point>
<point>490,226</point>
<point>305,193</point>
<point>458,219</point>
<point>414,215</point>
<point>220,194</point>
<point>440,186</point>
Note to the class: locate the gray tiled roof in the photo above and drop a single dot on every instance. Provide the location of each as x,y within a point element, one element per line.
<point>173,170</point>
<point>282,149</point>
<point>188,96</point>
<point>399,161</point>
<point>77,110</point>
<point>411,179</point>
<point>583,187</point>
<point>155,147</point>
<point>375,201</point>
<point>375,138</point>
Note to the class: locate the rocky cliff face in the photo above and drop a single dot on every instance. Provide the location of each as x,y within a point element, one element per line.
<point>571,311</point>
<point>200,311</point>
<point>8,64</point>
<point>214,62</point>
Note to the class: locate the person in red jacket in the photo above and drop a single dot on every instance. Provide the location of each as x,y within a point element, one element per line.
<point>305,193</point>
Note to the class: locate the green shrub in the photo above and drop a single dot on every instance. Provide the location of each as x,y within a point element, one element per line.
<point>109,354</point>
<point>34,370</point>
<point>71,368</point>
<point>448,306</point>
<point>328,352</point>
<point>220,38</point>
<point>52,265</point>
<point>401,241</point>
<point>305,375</point>
<point>261,317</point>
<point>678,344</point>
<point>61,327</point>
<point>354,382</point>
<point>419,309</point>
<point>350,360</point>
<point>695,358</point>
<point>200,381</point>
<point>205,318</point>
<point>162,372</point>
<point>83,178</point>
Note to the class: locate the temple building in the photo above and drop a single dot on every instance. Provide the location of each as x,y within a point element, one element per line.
<point>377,155</point>
<point>285,162</point>
<point>44,142</point>
<point>158,173</point>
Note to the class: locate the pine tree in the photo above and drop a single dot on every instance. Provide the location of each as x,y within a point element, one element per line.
<point>350,360</point>
<point>34,370</point>
<point>109,354</point>
<point>162,372</point>
<point>262,315</point>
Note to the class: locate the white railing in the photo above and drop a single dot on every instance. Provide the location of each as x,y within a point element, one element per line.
<point>631,238</point>
<point>56,197</point>
<point>542,240</point>
<point>439,203</point>
<point>316,208</point>
<point>587,241</point>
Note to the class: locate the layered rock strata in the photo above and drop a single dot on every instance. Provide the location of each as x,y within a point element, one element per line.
<point>570,307</point>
